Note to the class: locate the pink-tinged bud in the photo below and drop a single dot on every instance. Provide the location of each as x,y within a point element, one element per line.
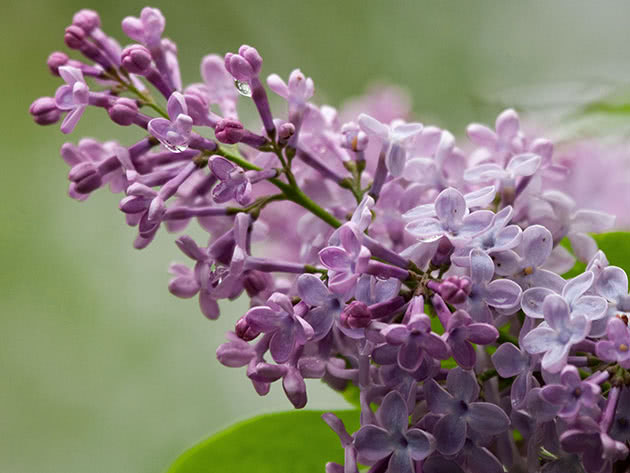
<point>124,111</point>
<point>44,111</point>
<point>88,20</point>
<point>244,330</point>
<point>454,289</point>
<point>56,60</point>
<point>229,131</point>
<point>295,388</point>
<point>245,65</point>
<point>356,315</point>
<point>74,37</point>
<point>136,59</point>
<point>256,282</point>
<point>286,131</point>
<point>235,354</point>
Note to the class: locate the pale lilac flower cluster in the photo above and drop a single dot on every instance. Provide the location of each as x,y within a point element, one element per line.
<point>375,252</point>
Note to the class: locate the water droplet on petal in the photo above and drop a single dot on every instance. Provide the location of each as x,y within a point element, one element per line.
<point>243,88</point>
<point>175,148</point>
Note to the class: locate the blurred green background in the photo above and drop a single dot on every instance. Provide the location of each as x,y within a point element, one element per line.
<point>102,369</point>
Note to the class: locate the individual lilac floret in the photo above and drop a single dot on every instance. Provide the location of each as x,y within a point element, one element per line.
<point>393,438</point>
<point>573,394</point>
<point>44,111</point>
<point>205,279</point>
<point>147,29</point>
<point>510,361</point>
<point>461,332</point>
<point>325,305</point>
<point>503,140</point>
<point>525,269</point>
<point>347,442</point>
<point>396,137</point>
<point>478,199</point>
<point>501,294</point>
<point>234,182</point>
<point>453,220</point>
<point>345,262</point>
<point>446,166</point>
<point>592,307</point>
<point>414,336</point>
<point>219,85</point>
<point>279,318</point>
<point>174,133</point>
<point>557,335</point>
<point>520,166</point>
<point>73,97</point>
<point>617,347</point>
<point>459,411</point>
<point>297,92</point>
<point>612,284</point>
<point>499,236</point>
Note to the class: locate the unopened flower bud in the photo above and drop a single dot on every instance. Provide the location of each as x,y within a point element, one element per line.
<point>44,111</point>
<point>443,253</point>
<point>74,37</point>
<point>256,282</point>
<point>87,20</point>
<point>454,289</point>
<point>245,65</point>
<point>136,59</point>
<point>356,315</point>
<point>86,177</point>
<point>229,131</point>
<point>123,111</point>
<point>56,60</point>
<point>285,132</point>
<point>244,330</point>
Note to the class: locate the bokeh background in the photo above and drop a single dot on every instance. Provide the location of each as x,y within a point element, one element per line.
<point>102,369</point>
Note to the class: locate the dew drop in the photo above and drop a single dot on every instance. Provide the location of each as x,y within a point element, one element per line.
<point>243,88</point>
<point>175,148</point>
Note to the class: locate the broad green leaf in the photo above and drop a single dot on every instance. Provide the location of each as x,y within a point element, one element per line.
<point>352,394</point>
<point>616,246</point>
<point>296,442</point>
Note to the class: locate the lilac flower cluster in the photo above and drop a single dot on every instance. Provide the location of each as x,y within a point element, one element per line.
<point>424,273</point>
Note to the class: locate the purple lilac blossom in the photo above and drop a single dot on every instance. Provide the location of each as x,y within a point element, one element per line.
<point>370,251</point>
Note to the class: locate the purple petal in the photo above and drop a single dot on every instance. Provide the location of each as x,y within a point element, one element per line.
<point>507,124</point>
<point>464,354</point>
<point>555,394</point>
<point>438,399</point>
<point>426,230</point>
<point>71,120</point>
<point>372,443</point>
<point>592,221</point>
<point>480,198</point>
<point>209,306</point>
<point>556,312</point>
<point>184,287</point>
<point>275,83</point>
<point>450,434</point>
<point>393,414</point>
<point>349,239</point>
<point>450,207</point>
<point>506,263</point>
<point>509,360</point>
<point>265,319</point>
<point>176,106</point>
<point>159,127</point>
<point>532,301</point>
<point>221,167</point>
<point>485,173</point>
<point>537,244</point>
<point>373,127</point>
<point>524,164</point>
<point>539,340</point>
<point>475,223</point>
<point>481,267</point>
<point>482,334</point>
<point>481,135</point>
<point>487,418</point>
<point>410,355</point>
<point>577,286</point>
<point>435,346</point>
<point>462,384</point>
<point>282,345</point>
<point>396,159</point>
<point>335,258</point>
<point>312,290</point>
<point>421,444</point>
<point>592,307</point>
<point>401,462</point>
<point>612,283</point>
<point>503,294</point>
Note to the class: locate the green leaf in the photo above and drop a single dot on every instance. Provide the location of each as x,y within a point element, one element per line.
<point>616,246</point>
<point>352,394</point>
<point>296,442</point>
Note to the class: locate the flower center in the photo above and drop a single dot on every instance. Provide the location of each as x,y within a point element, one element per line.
<point>623,347</point>
<point>529,270</point>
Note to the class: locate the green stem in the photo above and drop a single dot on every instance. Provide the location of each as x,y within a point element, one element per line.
<point>505,338</point>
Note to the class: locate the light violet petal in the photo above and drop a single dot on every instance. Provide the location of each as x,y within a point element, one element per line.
<point>373,443</point>
<point>503,294</point>
<point>480,198</point>
<point>438,400</point>
<point>71,120</point>
<point>508,360</point>
<point>275,83</point>
<point>450,207</point>
<point>536,244</point>
<point>481,135</point>
<point>335,258</point>
<point>426,230</point>
<point>532,301</point>
<point>523,165</point>
<point>401,462</point>
<point>583,245</point>
<point>393,413</point>
<point>539,340</point>
<point>487,418</point>
<point>176,105</point>
<point>373,127</point>
<point>485,173</point>
<point>612,283</point>
<point>209,306</point>
<point>592,221</point>
<point>481,267</point>
<point>450,434</point>
<point>462,384</point>
<point>420,444</point>
<point>312,290</point>
<point>507,124</point>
